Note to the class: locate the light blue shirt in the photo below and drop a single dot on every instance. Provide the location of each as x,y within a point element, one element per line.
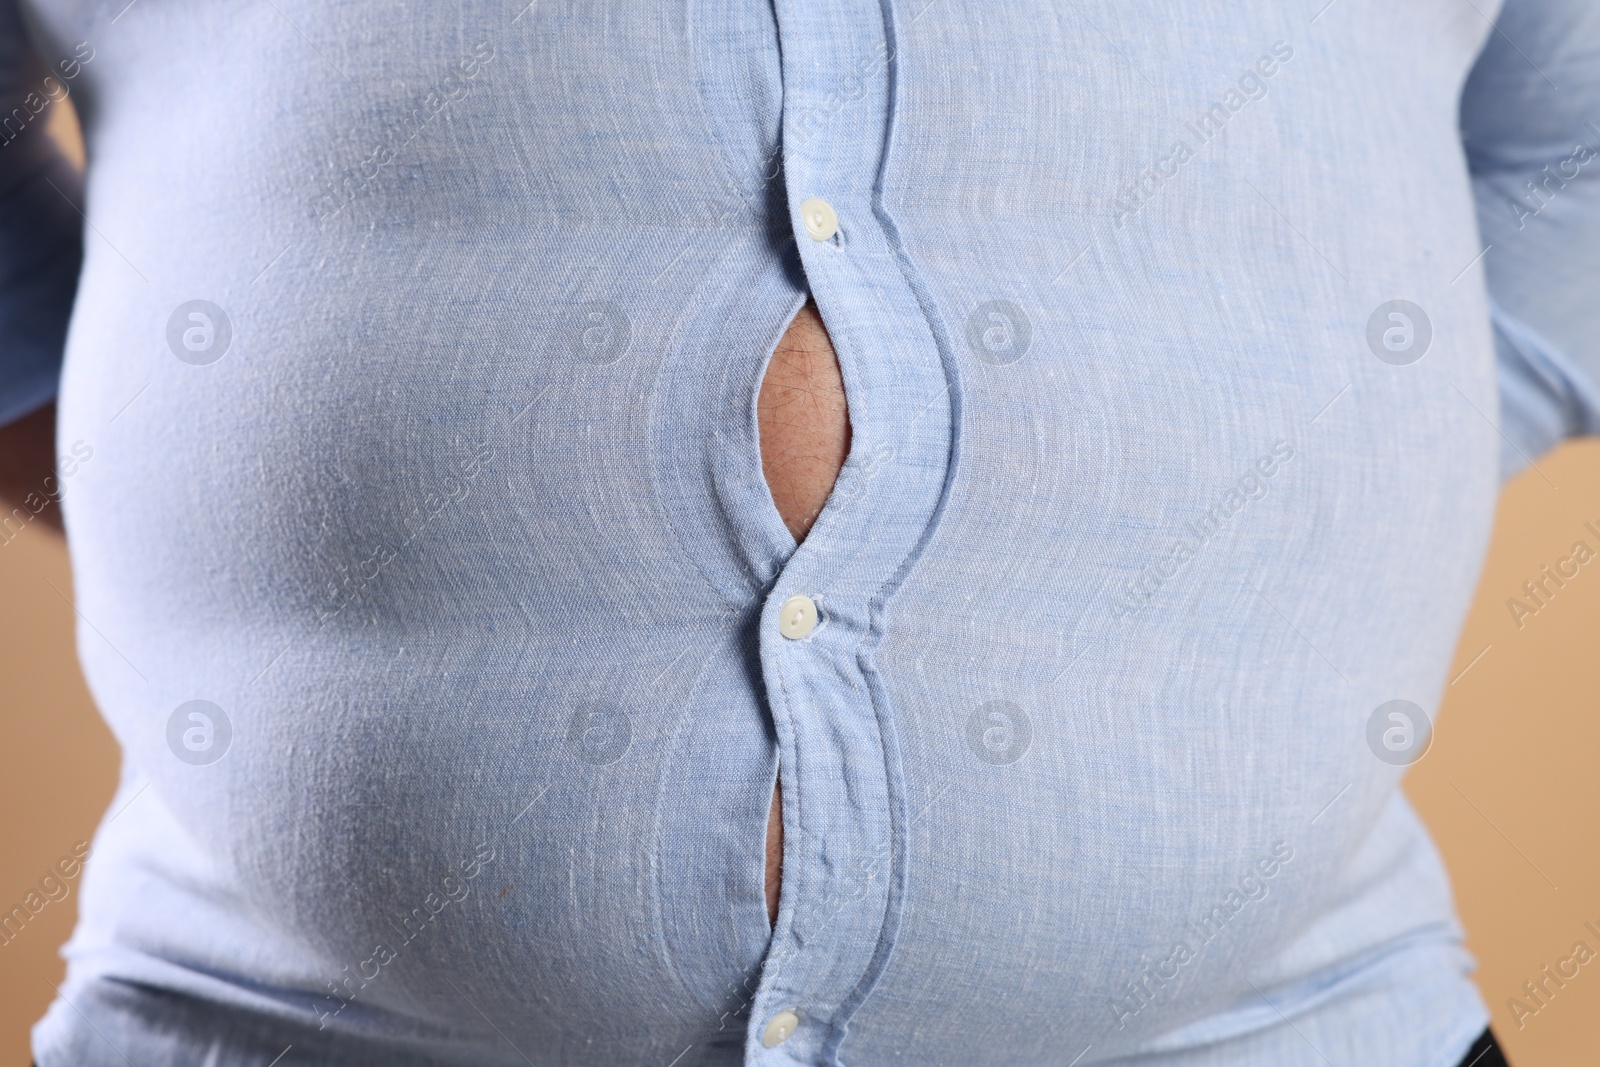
<point>429,581</point>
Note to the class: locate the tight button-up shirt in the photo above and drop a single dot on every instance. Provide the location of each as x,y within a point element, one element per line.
<point>429,581</point>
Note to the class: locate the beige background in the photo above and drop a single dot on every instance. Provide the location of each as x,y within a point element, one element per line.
<point>1508,788</point>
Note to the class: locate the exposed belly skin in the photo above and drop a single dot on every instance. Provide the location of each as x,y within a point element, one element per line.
<point>805,436</point>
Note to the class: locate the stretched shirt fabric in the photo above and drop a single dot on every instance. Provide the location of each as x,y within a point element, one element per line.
<point>430,584</point>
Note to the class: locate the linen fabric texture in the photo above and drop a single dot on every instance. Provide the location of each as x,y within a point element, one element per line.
<point>448,507</point>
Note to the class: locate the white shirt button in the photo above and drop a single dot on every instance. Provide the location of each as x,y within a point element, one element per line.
<point>819,217</point>
<point>779,1028</point>
<point>797,617</point>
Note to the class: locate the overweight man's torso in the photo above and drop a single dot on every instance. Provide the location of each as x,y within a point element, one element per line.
<point>450,507</point>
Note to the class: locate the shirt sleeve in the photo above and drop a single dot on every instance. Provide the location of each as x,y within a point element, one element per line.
<point>1530,122</point>
<point>41,237</point>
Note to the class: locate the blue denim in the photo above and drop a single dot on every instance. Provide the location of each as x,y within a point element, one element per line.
<point>429,581</point>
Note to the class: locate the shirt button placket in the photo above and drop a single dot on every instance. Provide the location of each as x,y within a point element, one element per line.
<point>837,900</point>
